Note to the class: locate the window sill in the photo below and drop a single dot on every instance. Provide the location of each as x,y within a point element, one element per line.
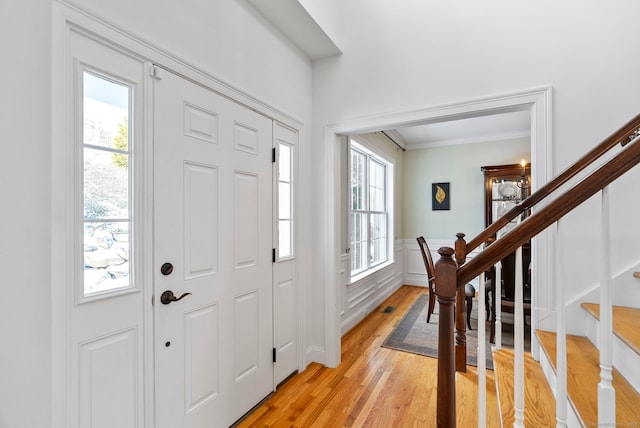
<point>362,275</point>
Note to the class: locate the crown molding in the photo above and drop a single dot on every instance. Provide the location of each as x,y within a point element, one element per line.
<point>483,139</point>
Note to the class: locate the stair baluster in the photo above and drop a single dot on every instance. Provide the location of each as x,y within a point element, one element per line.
<point>498,305</point>
<point>606,393</point>
<point>518,335</point>
<point>482,352</point>
<point>561,339</point>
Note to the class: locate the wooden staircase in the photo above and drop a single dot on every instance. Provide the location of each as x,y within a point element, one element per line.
<point>582,378</point>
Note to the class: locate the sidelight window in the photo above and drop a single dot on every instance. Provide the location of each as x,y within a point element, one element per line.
<point>106,184</point>
<point>285,200</point>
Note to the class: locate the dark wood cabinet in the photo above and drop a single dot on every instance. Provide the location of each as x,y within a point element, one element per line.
<point>504,187</point>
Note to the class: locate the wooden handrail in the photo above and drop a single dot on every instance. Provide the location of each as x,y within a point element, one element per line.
<point>622,136</point>
<point>539,221</point>
<point>449,279</point>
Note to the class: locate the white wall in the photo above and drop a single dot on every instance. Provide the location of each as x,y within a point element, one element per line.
<point>25,215</point>
<point>226,38</point>
<point>460,167</point>
<point>406,55</point>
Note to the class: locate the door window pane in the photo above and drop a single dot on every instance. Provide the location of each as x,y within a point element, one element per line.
<point>106,184</point>
<point>284,238</point>
<point>284,203</point>
<point>284,163</point>
<point>106,256</point>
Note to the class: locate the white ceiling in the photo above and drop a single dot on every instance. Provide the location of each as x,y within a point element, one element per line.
<point>494,127</point>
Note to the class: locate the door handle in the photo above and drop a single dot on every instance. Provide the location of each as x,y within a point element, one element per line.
<point>168,297</point>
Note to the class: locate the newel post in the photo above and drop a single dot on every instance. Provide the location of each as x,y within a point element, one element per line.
<point>445,288</point>
<point>461,327</point>
<point>461,249</point>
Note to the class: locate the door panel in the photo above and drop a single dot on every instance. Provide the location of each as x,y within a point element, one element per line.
<point>213,217</point>
<point>200,220</point>
<point>201,356</point>
<point>245,219</point>
<point>105,328</point>
<point>108,391</point>
<point>285,318</point>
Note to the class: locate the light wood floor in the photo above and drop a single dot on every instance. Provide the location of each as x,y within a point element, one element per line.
<point>373,386</point>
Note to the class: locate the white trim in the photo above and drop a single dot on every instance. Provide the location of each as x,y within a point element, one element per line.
<point>537,101</point>
<point>146,200</point>
<point>60,223</point>
<point>109,31</point>
<point>484,139</point>
<point>367,149</point>
<point>315,353</point>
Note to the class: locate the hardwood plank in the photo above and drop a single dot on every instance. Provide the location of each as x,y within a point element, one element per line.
<point>583,376</point>
<point>625,323</point>
<point>372,386</point>
<point>539,402</point>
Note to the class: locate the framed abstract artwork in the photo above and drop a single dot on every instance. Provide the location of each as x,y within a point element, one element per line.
<point>440,196</point>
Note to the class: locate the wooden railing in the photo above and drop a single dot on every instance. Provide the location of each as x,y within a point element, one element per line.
<point>452,275</point>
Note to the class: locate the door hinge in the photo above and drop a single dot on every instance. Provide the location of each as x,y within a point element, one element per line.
<point>274,355</point>
<point>273,155</point>
<point>273,255</point>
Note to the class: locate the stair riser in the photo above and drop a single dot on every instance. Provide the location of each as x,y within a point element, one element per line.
<point>572,416</point>
<point>625,360</point>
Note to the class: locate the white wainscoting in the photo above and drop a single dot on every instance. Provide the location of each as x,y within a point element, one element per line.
<point>361,297</point>
<point>413,270</point>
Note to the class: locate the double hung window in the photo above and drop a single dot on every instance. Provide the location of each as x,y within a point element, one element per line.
<point>369,214</point>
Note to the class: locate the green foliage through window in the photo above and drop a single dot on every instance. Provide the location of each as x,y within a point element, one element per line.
<point>121,142</point>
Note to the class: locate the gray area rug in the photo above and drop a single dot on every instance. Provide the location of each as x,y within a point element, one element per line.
<point>413,334</point>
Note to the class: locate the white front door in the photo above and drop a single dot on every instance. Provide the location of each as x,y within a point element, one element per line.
<point>212,239</point>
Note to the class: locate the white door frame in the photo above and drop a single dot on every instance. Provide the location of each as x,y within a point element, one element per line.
<point>67,18</point>
<point>537,101</point>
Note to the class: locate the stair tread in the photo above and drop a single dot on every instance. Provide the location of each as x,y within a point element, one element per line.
<point>625,323</point>
<point>583,376</point>
<point>539,403</point>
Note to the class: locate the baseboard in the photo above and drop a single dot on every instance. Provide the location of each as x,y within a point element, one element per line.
<point>316,354</point>
<point>358,316</point>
